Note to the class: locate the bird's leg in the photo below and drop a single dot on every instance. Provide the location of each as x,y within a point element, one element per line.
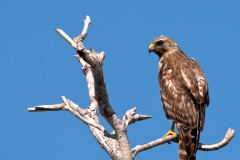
<point>171,131</point>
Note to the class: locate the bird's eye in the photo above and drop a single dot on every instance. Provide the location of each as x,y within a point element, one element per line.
<point>160,43</point>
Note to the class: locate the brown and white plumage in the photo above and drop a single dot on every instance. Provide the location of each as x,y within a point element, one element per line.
<point>184,93</point>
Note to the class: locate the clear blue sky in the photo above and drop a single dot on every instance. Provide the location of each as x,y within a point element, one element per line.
<point>37,67</point>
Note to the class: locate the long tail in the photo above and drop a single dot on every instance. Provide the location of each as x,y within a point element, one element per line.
<point>188,142</point>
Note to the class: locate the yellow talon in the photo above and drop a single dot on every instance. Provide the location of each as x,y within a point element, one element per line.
<point>171,132</point>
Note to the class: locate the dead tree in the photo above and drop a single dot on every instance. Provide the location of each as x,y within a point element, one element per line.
<point>116,144</point>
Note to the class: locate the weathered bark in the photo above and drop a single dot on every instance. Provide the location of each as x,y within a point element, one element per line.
<point>116,144</point>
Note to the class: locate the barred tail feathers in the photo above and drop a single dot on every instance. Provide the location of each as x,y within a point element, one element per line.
<point>188,141</point>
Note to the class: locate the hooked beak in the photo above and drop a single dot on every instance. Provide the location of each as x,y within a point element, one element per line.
<point>150,48</point>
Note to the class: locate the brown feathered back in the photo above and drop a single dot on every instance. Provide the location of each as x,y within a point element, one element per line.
<point>184,93</point>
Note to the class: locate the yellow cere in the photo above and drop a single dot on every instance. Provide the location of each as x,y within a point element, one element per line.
<point>151,46</point>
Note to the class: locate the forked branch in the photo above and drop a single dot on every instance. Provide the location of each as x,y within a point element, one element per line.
<point>71,107</point>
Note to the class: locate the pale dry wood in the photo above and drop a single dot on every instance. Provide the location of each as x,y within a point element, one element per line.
<point>99,131</point>
<point>131,117</point>
<point>204,147</point>
<point>83,35</point>
<point>95,66</point>
<point>210,147</point>
<point>53,107</point>
<point>157,142</point>
<point>74,109</point>
<point>67,38</point>
<point>92,68</point>
<point>115,144</point>
<point>70,106</point>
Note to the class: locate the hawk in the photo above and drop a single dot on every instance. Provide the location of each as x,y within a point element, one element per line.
<point>184,94</point>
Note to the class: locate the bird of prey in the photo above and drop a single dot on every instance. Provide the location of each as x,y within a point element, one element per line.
<point>184,94</point>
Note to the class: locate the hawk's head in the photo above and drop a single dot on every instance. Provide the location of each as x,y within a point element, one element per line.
<point>162,45</point>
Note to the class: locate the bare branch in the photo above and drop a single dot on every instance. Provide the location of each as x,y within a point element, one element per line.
<point>53,107</point>
<point>115,144</point>
<point>131,117</point>
<point>204,147</point>
<point>101,97</point>
<point>157,142</point>
<point>92,68</point>
<point>139,117</point>
<point>75,110</point>
<point>83,35</point>
<point>210,147</point>
<point>67,38</point>
<point>79,39</point>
